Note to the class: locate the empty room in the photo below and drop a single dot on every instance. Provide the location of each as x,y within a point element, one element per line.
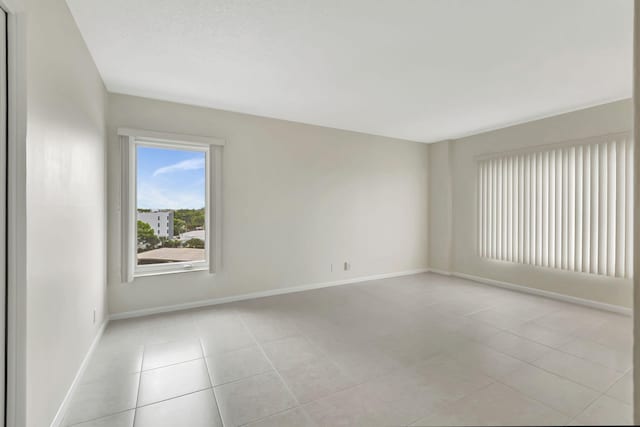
<point>318,213</point>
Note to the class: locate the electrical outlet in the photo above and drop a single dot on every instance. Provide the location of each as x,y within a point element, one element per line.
<point>347,266</point>
<point>331,268</point>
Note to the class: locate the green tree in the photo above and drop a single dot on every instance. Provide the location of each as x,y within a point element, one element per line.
<point>146,235</point>
<point>198,219</point>
<point>194,243</point>
<point>179,226</point>
<point>171,244</point>
<point>193,218</point>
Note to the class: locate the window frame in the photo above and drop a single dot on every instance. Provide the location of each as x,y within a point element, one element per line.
<point>148,269</point>
<point>212,148</point>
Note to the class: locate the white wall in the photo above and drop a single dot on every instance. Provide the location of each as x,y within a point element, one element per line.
<point>608,118</point>
<point>441,218</point>
<point>297,198</point>
<point>636,215</point>
<point>66,216</point>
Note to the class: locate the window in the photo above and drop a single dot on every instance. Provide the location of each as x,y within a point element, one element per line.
<point>567,206</point>
<point>171,180</point>
<point>171,203</point>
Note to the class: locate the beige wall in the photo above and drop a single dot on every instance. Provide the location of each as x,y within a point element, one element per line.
<point>66,217</point>
<point>608,118</point>
<point>297,198</point>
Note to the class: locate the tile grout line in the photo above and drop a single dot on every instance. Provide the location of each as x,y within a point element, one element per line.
<point>278,413</point>
<point>535,400</point>
<point>171,364</point>
<point>329,359</point>
<point>531,363</point>
<point>451,402</point>
<point>239,379</point>
<point>572,337</point>
<point>585,408</point>
<point>183,394</point>
<point>264,353</point>
<point>135,412</point>
<point>480,310</point>
<point>605,393</point>
<point>571,418</point>
<point>99,418</point>
<point>209,375</point>
<point>175,397</point>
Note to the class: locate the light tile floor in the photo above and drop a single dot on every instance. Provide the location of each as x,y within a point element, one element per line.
<point>415,350</point>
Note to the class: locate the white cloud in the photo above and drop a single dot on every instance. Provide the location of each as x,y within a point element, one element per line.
<point>185,165</point>
<point>152,197</point>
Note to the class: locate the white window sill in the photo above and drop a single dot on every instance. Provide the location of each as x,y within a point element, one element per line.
<point>173,271</point>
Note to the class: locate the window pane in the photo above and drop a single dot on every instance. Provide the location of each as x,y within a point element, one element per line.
<point>171,212</point>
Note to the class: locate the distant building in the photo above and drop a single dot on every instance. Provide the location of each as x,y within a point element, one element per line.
<point>160,221</point>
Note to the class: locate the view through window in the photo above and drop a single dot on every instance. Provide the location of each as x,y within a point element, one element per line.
<point>170,205</point>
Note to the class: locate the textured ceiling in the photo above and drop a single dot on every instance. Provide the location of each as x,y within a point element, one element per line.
<point>421,70</point>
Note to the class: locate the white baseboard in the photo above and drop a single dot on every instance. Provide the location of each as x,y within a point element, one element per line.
<point>62,410</point>
<point>300,288</point>
<point>440,272</point>
<point>539,292</point>
<point>252,295</point>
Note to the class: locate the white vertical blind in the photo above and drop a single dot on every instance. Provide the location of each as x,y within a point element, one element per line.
<point>566,206</point>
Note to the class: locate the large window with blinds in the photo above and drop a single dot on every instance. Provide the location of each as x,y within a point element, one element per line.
<point>567,206</point>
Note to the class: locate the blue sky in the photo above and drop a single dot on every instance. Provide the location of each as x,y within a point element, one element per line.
<point>170,179</point>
